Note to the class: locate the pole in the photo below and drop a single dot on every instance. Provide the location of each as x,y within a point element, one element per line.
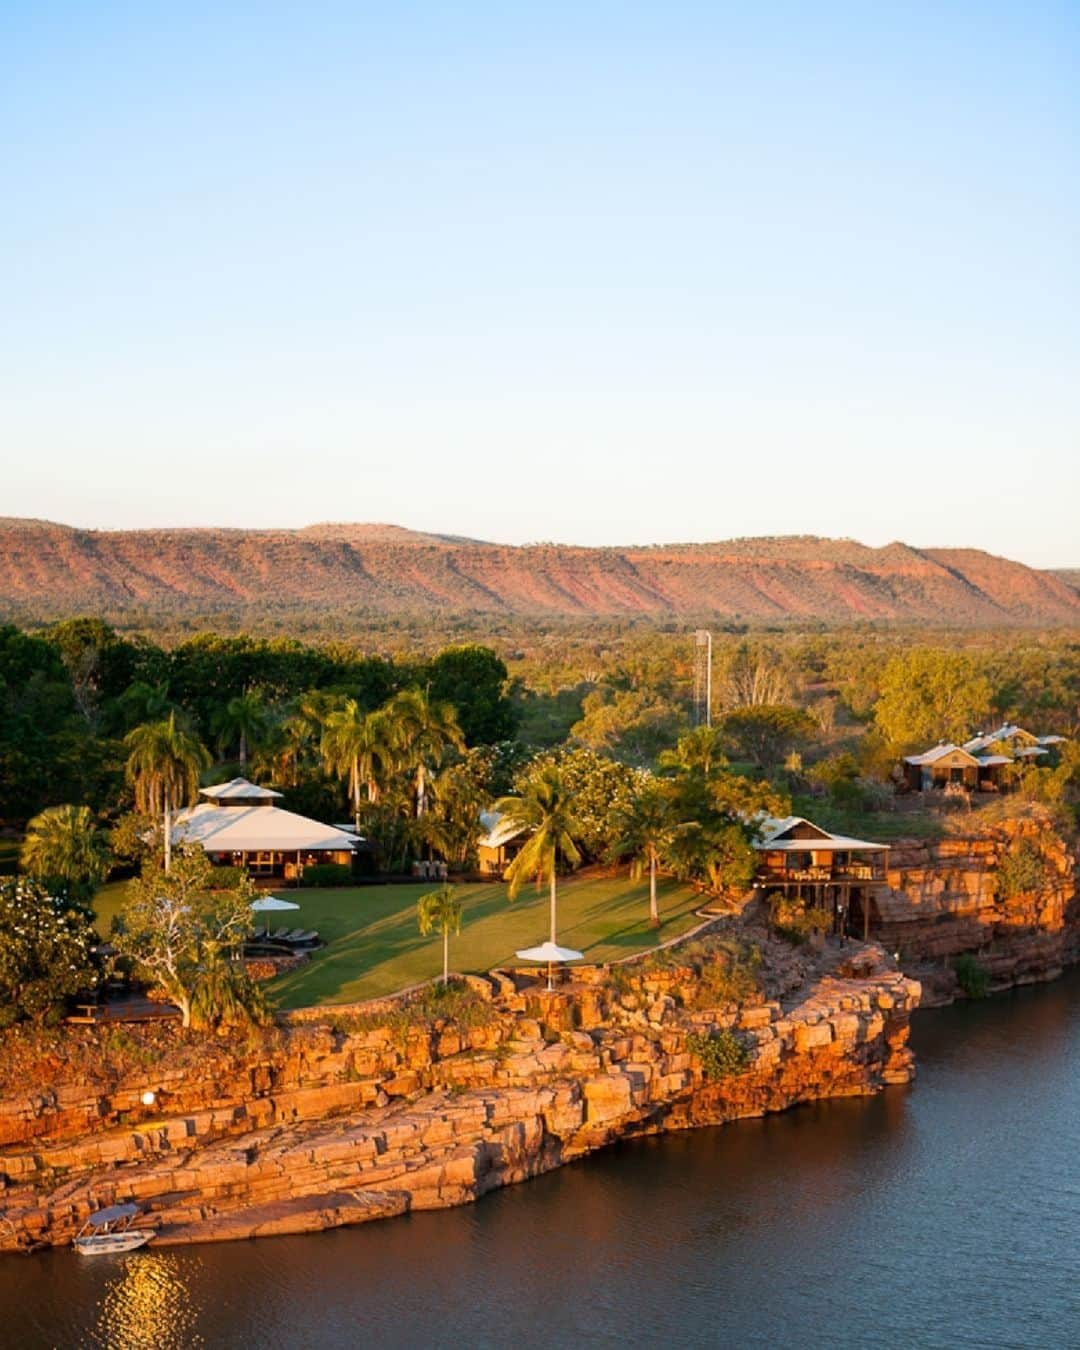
<point>708,682</point>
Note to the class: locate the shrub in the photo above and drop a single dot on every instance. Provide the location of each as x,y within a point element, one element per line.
<point>1022,871</point>
<point>327,874</point>
<point>728,979</point>
<point>722,1054</point>
<point>973,978</point>
<point>795,921</point>
<point>225,878</point>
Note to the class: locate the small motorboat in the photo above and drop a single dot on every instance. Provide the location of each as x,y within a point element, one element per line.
<point>109,1230</point>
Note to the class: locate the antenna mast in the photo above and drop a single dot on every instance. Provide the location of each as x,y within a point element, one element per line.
<point>703,678</point>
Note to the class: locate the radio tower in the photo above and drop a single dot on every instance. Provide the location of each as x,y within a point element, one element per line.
<point>703,678</point>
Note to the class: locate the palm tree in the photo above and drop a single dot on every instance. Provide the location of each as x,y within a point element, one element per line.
<point>360,746</point>
<point>440,912</point>
<point>545,809</point>
<point>697,752</point>
<point>163,765</point>
<point>65,849</point>
<point>424,731</point>
<point>645,829</point>
<point>243,721</point>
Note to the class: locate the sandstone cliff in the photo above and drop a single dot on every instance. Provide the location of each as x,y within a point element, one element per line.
<point>314,1124</point>
<point>947,898</point>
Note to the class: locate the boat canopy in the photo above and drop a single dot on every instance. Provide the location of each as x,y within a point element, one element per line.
<point>113,1214</point>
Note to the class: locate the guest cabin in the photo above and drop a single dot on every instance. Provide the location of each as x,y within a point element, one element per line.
<point>239,824</point>
<point>828,871</point>
<point>988,762</point>
<point>500,842</point>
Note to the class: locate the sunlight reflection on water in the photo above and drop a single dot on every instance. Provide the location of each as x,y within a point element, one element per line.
<point>147,1305</point>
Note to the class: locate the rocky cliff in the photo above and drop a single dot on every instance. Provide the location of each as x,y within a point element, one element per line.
<point>317,1124</point>
<point>955,896</point>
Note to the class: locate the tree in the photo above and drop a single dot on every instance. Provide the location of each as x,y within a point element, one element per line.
<point>440,912</point>
<point>545,809</point>
<point>163,765</point>
<point>645,829</point>
<point>44,952</point>
<point>929,695</point>
<point>474,680</point>
<point>634,725</point>
<point>597,786</point>
<point>177,929</point>
<point>752,676</point>
<point>359,746</point>
<point>767,732</point>
<point>242,722</point>
<point>423,731</point>
<point>65,851</point>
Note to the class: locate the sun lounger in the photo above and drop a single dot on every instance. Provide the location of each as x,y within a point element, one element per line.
<point>306,939</point>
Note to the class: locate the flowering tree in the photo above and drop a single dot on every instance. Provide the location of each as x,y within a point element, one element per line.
<point>44,952</point>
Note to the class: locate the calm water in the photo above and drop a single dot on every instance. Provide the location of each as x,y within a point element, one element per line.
<point>943,1215</point>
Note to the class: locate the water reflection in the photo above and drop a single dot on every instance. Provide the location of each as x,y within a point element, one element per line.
<point>147,1304</point>
<point>945,1215</point>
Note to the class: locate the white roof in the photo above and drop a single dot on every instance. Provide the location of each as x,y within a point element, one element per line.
<point>225,829</point>
<point>1030,751</point>
<point>498,829</point>
<point>939,752</point>
<point>1005,732</point>
<point>1052,740</point>
<point>985,761</point>
<point>824,842</point>
<point>238,790</point>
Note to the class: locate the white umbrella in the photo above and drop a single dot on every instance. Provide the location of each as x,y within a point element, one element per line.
<point>550,952</point>
<point>271,902</point>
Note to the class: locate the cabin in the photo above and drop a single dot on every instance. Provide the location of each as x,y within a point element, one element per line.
<point>828,871</point>
<point>985,763</point>
<point>239,824</point>
<point>499,843</point>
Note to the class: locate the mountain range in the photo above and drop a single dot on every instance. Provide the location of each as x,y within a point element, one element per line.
<point>49,570</point>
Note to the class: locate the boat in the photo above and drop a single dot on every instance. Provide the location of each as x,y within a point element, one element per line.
<point>109,1230</point>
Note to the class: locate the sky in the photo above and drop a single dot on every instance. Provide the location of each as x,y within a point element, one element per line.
<point>587,272</point>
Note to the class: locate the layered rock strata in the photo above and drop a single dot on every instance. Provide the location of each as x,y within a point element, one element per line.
<point>322,1125</point>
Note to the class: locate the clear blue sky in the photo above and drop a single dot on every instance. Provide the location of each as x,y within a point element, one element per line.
<point>598,272</point>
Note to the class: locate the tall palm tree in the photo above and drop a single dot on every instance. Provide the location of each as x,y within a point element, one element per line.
<point>424,731</point>
<point>359,746</point>
<point>243,721</point>
<point>645,829</point>
<point>698,752</point>
<point>163,764</point>
<point>65,849</point>
<point>440,912</point>
<point>544,808</point>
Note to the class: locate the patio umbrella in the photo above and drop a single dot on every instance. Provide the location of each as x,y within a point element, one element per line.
<point>550,952</point>
<point>272,903</point>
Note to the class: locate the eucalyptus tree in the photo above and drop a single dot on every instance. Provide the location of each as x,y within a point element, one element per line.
<point>163,765</point>
<point>544,808</point>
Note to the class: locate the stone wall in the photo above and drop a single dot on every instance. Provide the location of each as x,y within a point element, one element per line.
<point>944,898</point>
<point>314,1125</point>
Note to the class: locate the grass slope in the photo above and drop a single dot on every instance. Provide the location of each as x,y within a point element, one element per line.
<point>374,947</point>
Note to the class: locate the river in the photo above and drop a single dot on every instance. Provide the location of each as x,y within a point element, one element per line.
<point>946,1214</point>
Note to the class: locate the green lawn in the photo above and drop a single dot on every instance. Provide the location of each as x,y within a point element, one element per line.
<point>374,947</point>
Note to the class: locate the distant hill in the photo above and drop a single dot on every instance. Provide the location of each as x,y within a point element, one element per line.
<point>1070,576</point>
<point>49,570</point>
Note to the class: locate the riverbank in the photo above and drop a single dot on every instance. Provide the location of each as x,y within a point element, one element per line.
<point>323,1123</point>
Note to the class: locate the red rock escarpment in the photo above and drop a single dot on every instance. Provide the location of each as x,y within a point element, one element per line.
<point>320,1127</point>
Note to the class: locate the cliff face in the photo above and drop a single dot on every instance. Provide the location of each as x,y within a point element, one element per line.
<point>314,1126</point>
<point>947,898</point>
<point>49,571</point>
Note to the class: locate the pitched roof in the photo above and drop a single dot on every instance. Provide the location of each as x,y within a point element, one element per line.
<point>939,752</point>
<point>238,790</point>
<point>227,829</point>
<point>773,831</point>
<point>498,829</point>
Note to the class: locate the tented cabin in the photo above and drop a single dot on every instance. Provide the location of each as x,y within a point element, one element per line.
<point>825,870</point>
<point>239,825</point>
<point>985,763</point>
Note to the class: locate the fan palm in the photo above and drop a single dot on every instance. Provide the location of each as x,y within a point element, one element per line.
<point>440,912</point>
<point>242,722</point>
<point>545,809</point>
<point>163,765</point>
<point>645,829</point>
<point>424,731</point>
<point>65,850</point>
